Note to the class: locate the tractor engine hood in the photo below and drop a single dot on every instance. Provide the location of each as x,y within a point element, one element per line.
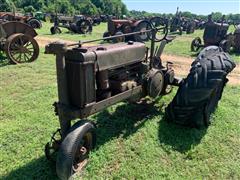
<point>109,56</point>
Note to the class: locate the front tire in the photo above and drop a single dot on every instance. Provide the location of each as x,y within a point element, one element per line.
<point>73,154</point>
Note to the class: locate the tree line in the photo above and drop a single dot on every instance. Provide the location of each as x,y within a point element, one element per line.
<point>87,7</point>
<point>215,15</point>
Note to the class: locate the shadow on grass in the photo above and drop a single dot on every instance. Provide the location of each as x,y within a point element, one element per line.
<point>124,121</point>
<point>36,169</point>
<point>179,138</point>
<point>3,60</point>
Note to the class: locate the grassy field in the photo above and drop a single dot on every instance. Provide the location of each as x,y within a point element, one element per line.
<point>180,46</point>
<point>133,141</point>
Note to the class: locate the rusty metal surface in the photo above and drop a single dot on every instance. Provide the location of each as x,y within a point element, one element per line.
<point>96,107</point>
<point>9,16</point>
<point>119,55</point>
<point>21,48</point>
<point>17,27</point>
<point>109,56</point>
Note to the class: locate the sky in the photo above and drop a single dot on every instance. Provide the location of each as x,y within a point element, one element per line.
<point>195,6</point>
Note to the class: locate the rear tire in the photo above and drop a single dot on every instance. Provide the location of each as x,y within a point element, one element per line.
<point>118,39</point>
<point>55,30</point>
<point>198,94</point>
<point>73,154</point>
<point>141,26</point>
<point>35,23</point>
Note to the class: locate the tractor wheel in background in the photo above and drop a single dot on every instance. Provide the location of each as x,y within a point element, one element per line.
<point>157,21</point>
<point>105,35</point>
<point>74,150</point>
<point>84,26</point>
<point>196,44</point>
<point>141,26</point>
<point>55,30</point>
<point>21,48</point>
<point>118,39</point>
<point>225,45</point>
<point>34,23</point>
<point>199,93</point>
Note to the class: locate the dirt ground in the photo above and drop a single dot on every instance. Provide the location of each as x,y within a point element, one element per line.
<point>181,64</point>
<point>43,41</point>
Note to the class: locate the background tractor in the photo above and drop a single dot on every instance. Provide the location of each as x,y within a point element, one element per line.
<point>77,24</point>
<point>32,21</point>
<point>17,41</point>
<point>125,26</point>
<point>217,34</point>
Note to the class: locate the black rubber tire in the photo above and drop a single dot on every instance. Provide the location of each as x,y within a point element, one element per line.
<point>225,45</point>
<point>70,146</point>
<point>196,44</point>
<point>199,93</point>
<point>55,30</point>
<point>35,23</point>
<point>139,26</point>
<point>106,34</point>
<point>118,39</point>
<point>83,26</point>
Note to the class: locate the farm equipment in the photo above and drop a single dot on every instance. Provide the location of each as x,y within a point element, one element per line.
<point>176,23</point>
<point>77,24</point>
<point>32,21</point>
<point>17,41</point>
<point>125,26</point>
<point>237,39</point>
<point>188,25</point>
<point>216,34</point>
<point>91,79</point>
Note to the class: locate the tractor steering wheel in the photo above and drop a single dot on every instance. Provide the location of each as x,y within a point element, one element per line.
<point>158,33</point>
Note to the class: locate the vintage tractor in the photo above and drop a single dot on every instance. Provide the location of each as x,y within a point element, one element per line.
<point>176,23</point>
<point>216,34</point>
<point>32,21</point>
<point>17,41</point>
<point>76,24</point>
<point>188,25</point>
<point>93,78</point>
<point>125,26</point>
<point>237,39</point>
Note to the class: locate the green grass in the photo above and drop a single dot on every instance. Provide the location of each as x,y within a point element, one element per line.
<point>180,46</point>
<point>133,142</point>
